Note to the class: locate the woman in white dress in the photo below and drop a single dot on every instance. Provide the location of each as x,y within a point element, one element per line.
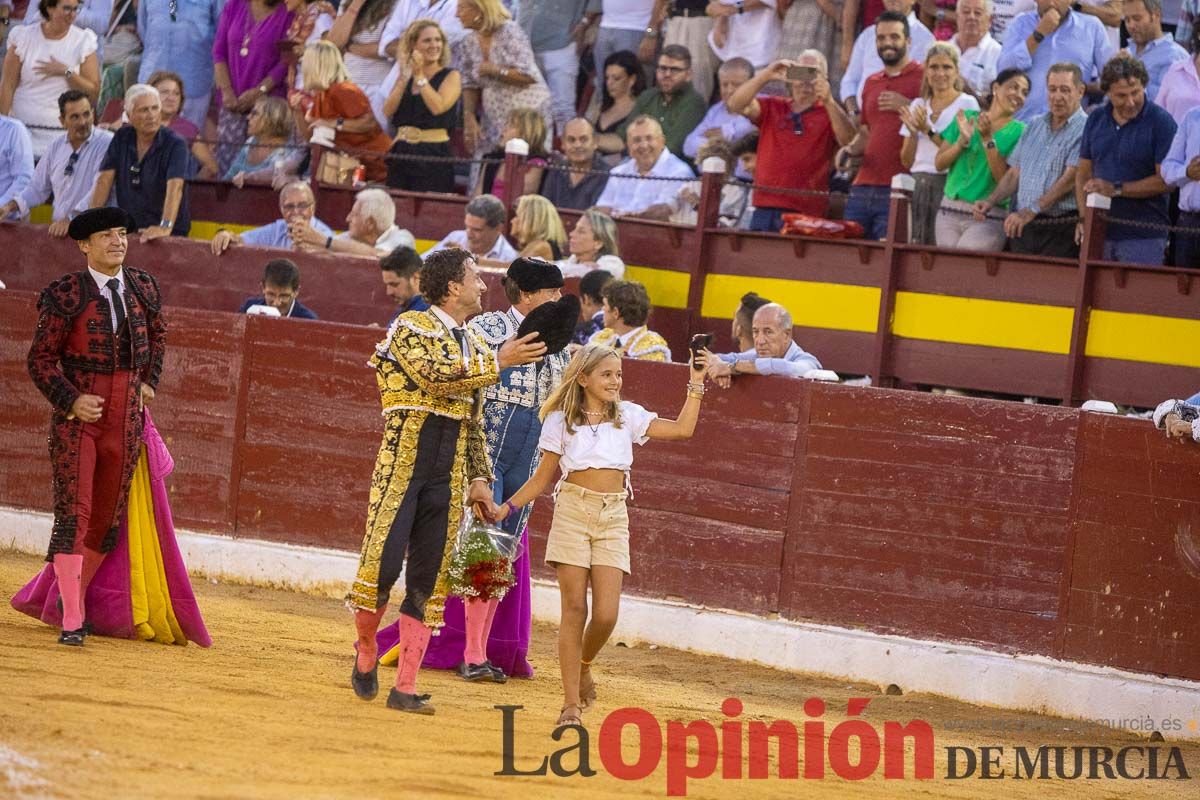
<point>42,62</point>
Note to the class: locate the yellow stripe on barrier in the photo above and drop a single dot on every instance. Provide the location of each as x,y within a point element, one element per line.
<point>666,287</point>
<point>1143,337</point>
<point>835,306</point>
<point>990,323</point>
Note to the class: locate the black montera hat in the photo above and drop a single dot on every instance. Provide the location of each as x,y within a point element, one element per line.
<point>532,274</point>
<point>555,323</point>
<point>95,220</point>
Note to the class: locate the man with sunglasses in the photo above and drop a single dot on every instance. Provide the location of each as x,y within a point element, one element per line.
<point>673,101</point>
<point>147,166</point>
<point>68,170</point>
<point>798,136</point>
<point>297,209</point>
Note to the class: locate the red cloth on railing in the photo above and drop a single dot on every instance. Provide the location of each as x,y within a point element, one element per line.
<point>806,225</point>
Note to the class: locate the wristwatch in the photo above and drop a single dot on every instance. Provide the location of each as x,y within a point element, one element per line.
<point>341,121</point>
<point>422,83</point>
<point>652,33</point>
<point>1034,208</point>
<point>166,223</point>
<point>1038,36</point>
<point>1077,7</point>
<point>741,7</point>
<point>990,144</point>
<point>1118,188</point>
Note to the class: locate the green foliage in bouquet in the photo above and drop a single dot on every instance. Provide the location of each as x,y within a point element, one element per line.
<point>477,569</point>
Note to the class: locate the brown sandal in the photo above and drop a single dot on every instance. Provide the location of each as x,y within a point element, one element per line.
<point>587,691</point>
<point>570,718</point>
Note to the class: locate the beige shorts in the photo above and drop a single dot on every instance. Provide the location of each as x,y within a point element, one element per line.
<point>589,529</point>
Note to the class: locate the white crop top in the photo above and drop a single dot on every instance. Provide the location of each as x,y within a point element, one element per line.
<point>606,447</point>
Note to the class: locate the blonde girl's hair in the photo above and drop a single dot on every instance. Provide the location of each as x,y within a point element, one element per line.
<point>537,219</point>
<point>494,15</point>
<point>945,50</point>
<point>322,66</point>
<point>411,34</point>
<point>567,397</point>
<point>530,125</point>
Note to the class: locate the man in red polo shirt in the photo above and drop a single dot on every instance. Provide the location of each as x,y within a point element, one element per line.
<point>878,140</point>
<point>797,137</point>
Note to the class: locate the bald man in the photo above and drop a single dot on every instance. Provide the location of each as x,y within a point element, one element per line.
<point>649,157</point>
<point>774,353</point>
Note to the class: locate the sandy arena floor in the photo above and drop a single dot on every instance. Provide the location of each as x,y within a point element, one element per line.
<point>268,713</point>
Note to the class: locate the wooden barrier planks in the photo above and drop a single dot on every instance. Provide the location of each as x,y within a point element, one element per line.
<point>1131,602</point>
<point>931,516</point>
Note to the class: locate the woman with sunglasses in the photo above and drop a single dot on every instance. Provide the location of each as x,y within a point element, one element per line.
<point>798,138</point>
<point>42,62</point>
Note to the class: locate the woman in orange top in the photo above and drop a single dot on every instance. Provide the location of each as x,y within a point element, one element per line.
<point>339,104</point>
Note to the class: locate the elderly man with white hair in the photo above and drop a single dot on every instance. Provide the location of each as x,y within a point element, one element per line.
<point>147,167</point>
<point>297,222</point>
<point>372,230</point>
<point>626,193</point>
<point>774,353</point>
<point>980,53</point>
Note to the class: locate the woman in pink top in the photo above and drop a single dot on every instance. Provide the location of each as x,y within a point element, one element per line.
<point>248,64</point>
<point>588,434</point>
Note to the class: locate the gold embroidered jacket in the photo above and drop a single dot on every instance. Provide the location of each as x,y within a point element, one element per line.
<point>643,344</point>
<point>420,367</point>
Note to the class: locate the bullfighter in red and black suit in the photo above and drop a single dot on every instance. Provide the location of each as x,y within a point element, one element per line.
<point>96,356</point>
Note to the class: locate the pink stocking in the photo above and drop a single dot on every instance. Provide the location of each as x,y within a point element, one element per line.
<point>476,613</point>
<point>68,568</point>
<point>414,639</point>
<point>367,623</point>
<point>487,626</point>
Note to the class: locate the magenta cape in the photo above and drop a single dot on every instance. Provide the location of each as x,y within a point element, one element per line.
<point>508,645</point>
<point>116,603</point>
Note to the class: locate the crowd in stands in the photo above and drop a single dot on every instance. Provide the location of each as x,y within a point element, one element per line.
<point>1008,114</point>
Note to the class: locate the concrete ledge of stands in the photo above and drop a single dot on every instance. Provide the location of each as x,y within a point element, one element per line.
<point>963,672</point>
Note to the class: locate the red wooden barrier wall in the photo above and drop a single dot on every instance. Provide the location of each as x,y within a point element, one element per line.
<point>1018,528</point>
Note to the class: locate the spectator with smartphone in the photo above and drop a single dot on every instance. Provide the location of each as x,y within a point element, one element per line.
<point>774,353</point>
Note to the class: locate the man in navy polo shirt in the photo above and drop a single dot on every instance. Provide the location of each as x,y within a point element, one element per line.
<point>147,164</point>
<point>1120,156</point>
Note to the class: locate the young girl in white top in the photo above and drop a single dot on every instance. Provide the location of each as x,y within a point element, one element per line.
<point>588,433</point>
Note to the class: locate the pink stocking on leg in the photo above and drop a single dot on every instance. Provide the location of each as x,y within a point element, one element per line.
<point>68,568</point>
<point>414,639</point>
<point>476,613</point>
<point>367,623</point>
<point>92,559</point>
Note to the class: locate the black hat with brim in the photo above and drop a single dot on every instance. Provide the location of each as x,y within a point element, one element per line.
<point>555,323</point>
<point>534,274</point>
<point>95,220</point>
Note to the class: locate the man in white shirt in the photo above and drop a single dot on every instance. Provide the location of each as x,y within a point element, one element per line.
<point>482,233</point>
<point>747,29</point>
<point>865,60</point>
<point>372,230</point>
<point>69,168</point>
<point>980,52</point>
<point>627,193</point>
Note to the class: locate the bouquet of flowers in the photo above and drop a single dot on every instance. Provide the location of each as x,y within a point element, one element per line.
<point>482,563</point>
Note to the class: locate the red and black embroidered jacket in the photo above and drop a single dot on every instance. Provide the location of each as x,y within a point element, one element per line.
<point>75,335</point>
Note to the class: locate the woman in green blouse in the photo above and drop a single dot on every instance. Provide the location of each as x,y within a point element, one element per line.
<point>974,150</point>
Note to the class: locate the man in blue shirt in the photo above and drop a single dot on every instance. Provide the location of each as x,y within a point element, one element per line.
<point>177,35</point>
<point>16,159</point>
<point>1147,42</point>
<point>1036,40</point>
<point>280,290</point>
<point>401,270</point>
<point>297,207</point>
<point>774,353</point>
<point>1120,156</point>
<point>147,165</point>
<point>1181,169</point>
